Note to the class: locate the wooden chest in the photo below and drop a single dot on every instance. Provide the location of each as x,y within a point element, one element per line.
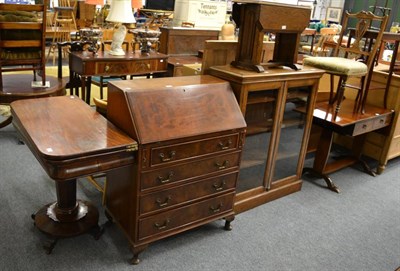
<point>190,134</point>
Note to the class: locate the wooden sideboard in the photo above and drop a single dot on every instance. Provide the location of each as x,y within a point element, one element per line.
<point>190,134</point>
<point>277,134</point>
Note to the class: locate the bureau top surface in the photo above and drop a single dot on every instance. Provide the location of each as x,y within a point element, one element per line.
<point>172,108</point>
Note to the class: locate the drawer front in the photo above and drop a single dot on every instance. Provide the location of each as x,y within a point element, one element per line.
<point>221,163</point>
<point>184,216</point>
<point>186,193</point>
<point>363,127</point>
<point>372,125</point>
<point>192,149</point>
<point>130,67</point>
<point>382,121</point>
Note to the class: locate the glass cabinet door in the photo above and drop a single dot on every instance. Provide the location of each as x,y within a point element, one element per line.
<point>291,136</point>
<point>260,117</point>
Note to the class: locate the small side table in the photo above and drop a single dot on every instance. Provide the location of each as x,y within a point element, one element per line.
<point>18,87</point>
<point>348,122</point>
<point>94,145</point>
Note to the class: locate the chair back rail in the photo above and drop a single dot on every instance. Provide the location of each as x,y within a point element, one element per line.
<point>365,20</point>
<point>21,46</point>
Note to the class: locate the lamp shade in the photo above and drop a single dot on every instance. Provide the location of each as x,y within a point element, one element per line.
<point>121,12</point>
<point>95,2</point>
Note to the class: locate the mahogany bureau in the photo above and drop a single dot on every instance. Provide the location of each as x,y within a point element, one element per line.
<point>190,134</point>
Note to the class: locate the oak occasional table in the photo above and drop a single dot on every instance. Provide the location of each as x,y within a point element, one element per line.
<point>86,64</point>
<point>94,145</point>
<point>18,87</point>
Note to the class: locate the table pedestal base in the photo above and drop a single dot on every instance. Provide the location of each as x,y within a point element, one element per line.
<point>61,229</point>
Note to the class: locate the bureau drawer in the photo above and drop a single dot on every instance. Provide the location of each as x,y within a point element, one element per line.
<point>132,67</point>
<point>186,171</point>
<point>192,149</point>
<point>188,192</point>
<point>185,216</point>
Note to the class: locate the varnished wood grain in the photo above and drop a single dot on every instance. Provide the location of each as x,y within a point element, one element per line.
<point>160,123</point>
<point>190,133</point>
<point>65,128</point>
<point>70,140</point>
<point>18,86</point>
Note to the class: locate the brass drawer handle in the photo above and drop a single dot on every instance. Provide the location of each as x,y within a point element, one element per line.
<point>166,159</point>
<point>224,165</point>
<point>219,187</point>
<point>165,203</point>
<point>167,179</point>
<point>224,146</point>
<point>162,226</point>
<point>216,209</point>
<point>106,68</point>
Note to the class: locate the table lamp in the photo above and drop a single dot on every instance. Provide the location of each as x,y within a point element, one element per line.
<point>120,12</point>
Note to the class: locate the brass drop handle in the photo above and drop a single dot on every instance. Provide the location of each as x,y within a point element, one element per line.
<point>167,179</point>
<point>219,187</point>
<point>169,158</point>
<point>224,165</point>
<point>106,68</point>
<point>163,203</point>
<point>216,209</point>
<point>224,146</point>
<point>162,226</point>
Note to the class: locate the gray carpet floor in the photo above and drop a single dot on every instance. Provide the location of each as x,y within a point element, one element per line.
<point>314,229</point>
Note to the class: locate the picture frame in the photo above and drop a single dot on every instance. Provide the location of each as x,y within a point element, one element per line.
<point>333,14</point>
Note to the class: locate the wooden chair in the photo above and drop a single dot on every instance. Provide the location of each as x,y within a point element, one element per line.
<point>306,34</point>
<point>22,39</point>
<point>326,34</point>
<point>64,25</point>
<point>353,60</point>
